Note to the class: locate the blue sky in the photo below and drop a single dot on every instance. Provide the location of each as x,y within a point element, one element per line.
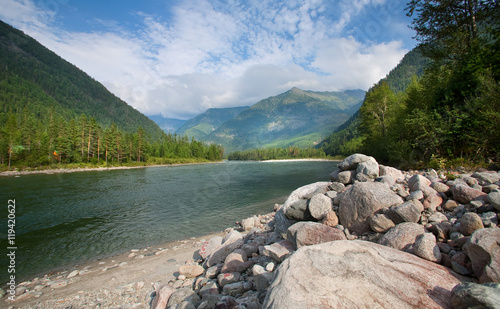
<point>179,58</point>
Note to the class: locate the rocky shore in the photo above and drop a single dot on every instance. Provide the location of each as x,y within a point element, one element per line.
<point>371,237</point>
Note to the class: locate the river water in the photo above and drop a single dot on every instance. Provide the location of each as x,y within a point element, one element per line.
<point>67,219</point>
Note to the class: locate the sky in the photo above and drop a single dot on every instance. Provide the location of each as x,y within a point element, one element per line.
<point>178,58</point>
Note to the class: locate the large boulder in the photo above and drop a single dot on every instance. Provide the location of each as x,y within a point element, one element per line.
<point>360,203</point>
<point>352,161</point>
<point>311,233</point>
<point>483,249</point>
<point>306,192</point>
<point>402,236</point>
<point>396,174</point>
<point>359,274</point>
<point>462,193</point>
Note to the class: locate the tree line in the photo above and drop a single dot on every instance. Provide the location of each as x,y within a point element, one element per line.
<point>30,141</point>
<point>292,152</point>
<point>452,112</point>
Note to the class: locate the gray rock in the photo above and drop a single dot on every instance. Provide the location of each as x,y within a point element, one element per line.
<point>250,223</point>
<point>210,246</point>
<point>352,161</point>
<point>369,168</point>
<point>469,223</point>
<point>440,187</point>
<point>483,249</point>
<point>406,212</point>
<point>209,301</point>
<point>306,192</point>
<point>162,295</point>
<point>186,305</point>
<point>361,201</point>
<point>450,205</point>
<point>234,289</point>
<point>337,187</point>
<point>298,210</point>
<point>387,179</point>
<point>396,174</point>
<point>319,206</point>
<point>437,217</point>
<point>209,288</point>
<point>432,201</point>
<point>231,242</point>
<point>486,178</point>
<point>282,223</point>
<point>418,182</point>
<point>416,195</point>
<point>494,199</point>
<point>425,247</point>
<point>464,194</point>
<point>183,294</point>
<point>381,223</point>
<point>402,236</point>
<point>459,269</point>
<point>358,274</point>
<point>228,278</point>
<point>311,233</point>
<point>346,177</point>
<point>473,295</point>
<point>278,251</point>
<point>332,194</point>
<point>489,217</point>
<point>236,261</point>
<point>262,278</point>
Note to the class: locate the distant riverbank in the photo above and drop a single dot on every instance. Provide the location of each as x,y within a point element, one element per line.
<point>60,170</point>
<point>299,160</point>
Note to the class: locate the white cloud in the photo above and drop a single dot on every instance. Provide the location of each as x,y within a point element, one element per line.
<point>211,54</point>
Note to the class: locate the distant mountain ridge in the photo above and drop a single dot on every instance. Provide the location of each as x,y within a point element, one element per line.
<point>168,125</point>
<point>205,123</point>
<point>29,70</point>
<point>294,118</point>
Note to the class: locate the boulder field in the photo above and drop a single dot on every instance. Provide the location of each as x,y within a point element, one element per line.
<point>371,237</point>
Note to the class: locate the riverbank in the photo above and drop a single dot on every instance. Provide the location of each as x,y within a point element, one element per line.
<point>123,281</point>
<point>300,160</point>
<point>51,171</point>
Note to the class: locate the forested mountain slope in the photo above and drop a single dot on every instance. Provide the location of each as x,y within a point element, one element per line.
<point>36,79</point>
<point>209,121</point>
<point>294,118</point>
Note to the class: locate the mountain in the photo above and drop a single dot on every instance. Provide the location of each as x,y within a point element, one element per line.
<point>202,125</point>
<point>169,125</point>
<point>294,118</point>
<point>35,80</point>
<point>346,139</point>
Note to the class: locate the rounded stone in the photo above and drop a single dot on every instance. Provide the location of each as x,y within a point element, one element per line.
<point>469,223</point>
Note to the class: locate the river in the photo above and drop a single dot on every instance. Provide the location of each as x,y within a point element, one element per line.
<point>72,218</point>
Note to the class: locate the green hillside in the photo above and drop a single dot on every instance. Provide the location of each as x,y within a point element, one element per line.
<point>207,122</point>
<point>53,114</point>
<point>346,139</point>
<point>36,79</point>
<point>294,118</point>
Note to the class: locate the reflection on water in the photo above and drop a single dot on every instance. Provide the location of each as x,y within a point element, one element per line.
<point>65,219</point>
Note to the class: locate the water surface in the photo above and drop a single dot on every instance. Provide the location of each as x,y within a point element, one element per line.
<point>67,219</point>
